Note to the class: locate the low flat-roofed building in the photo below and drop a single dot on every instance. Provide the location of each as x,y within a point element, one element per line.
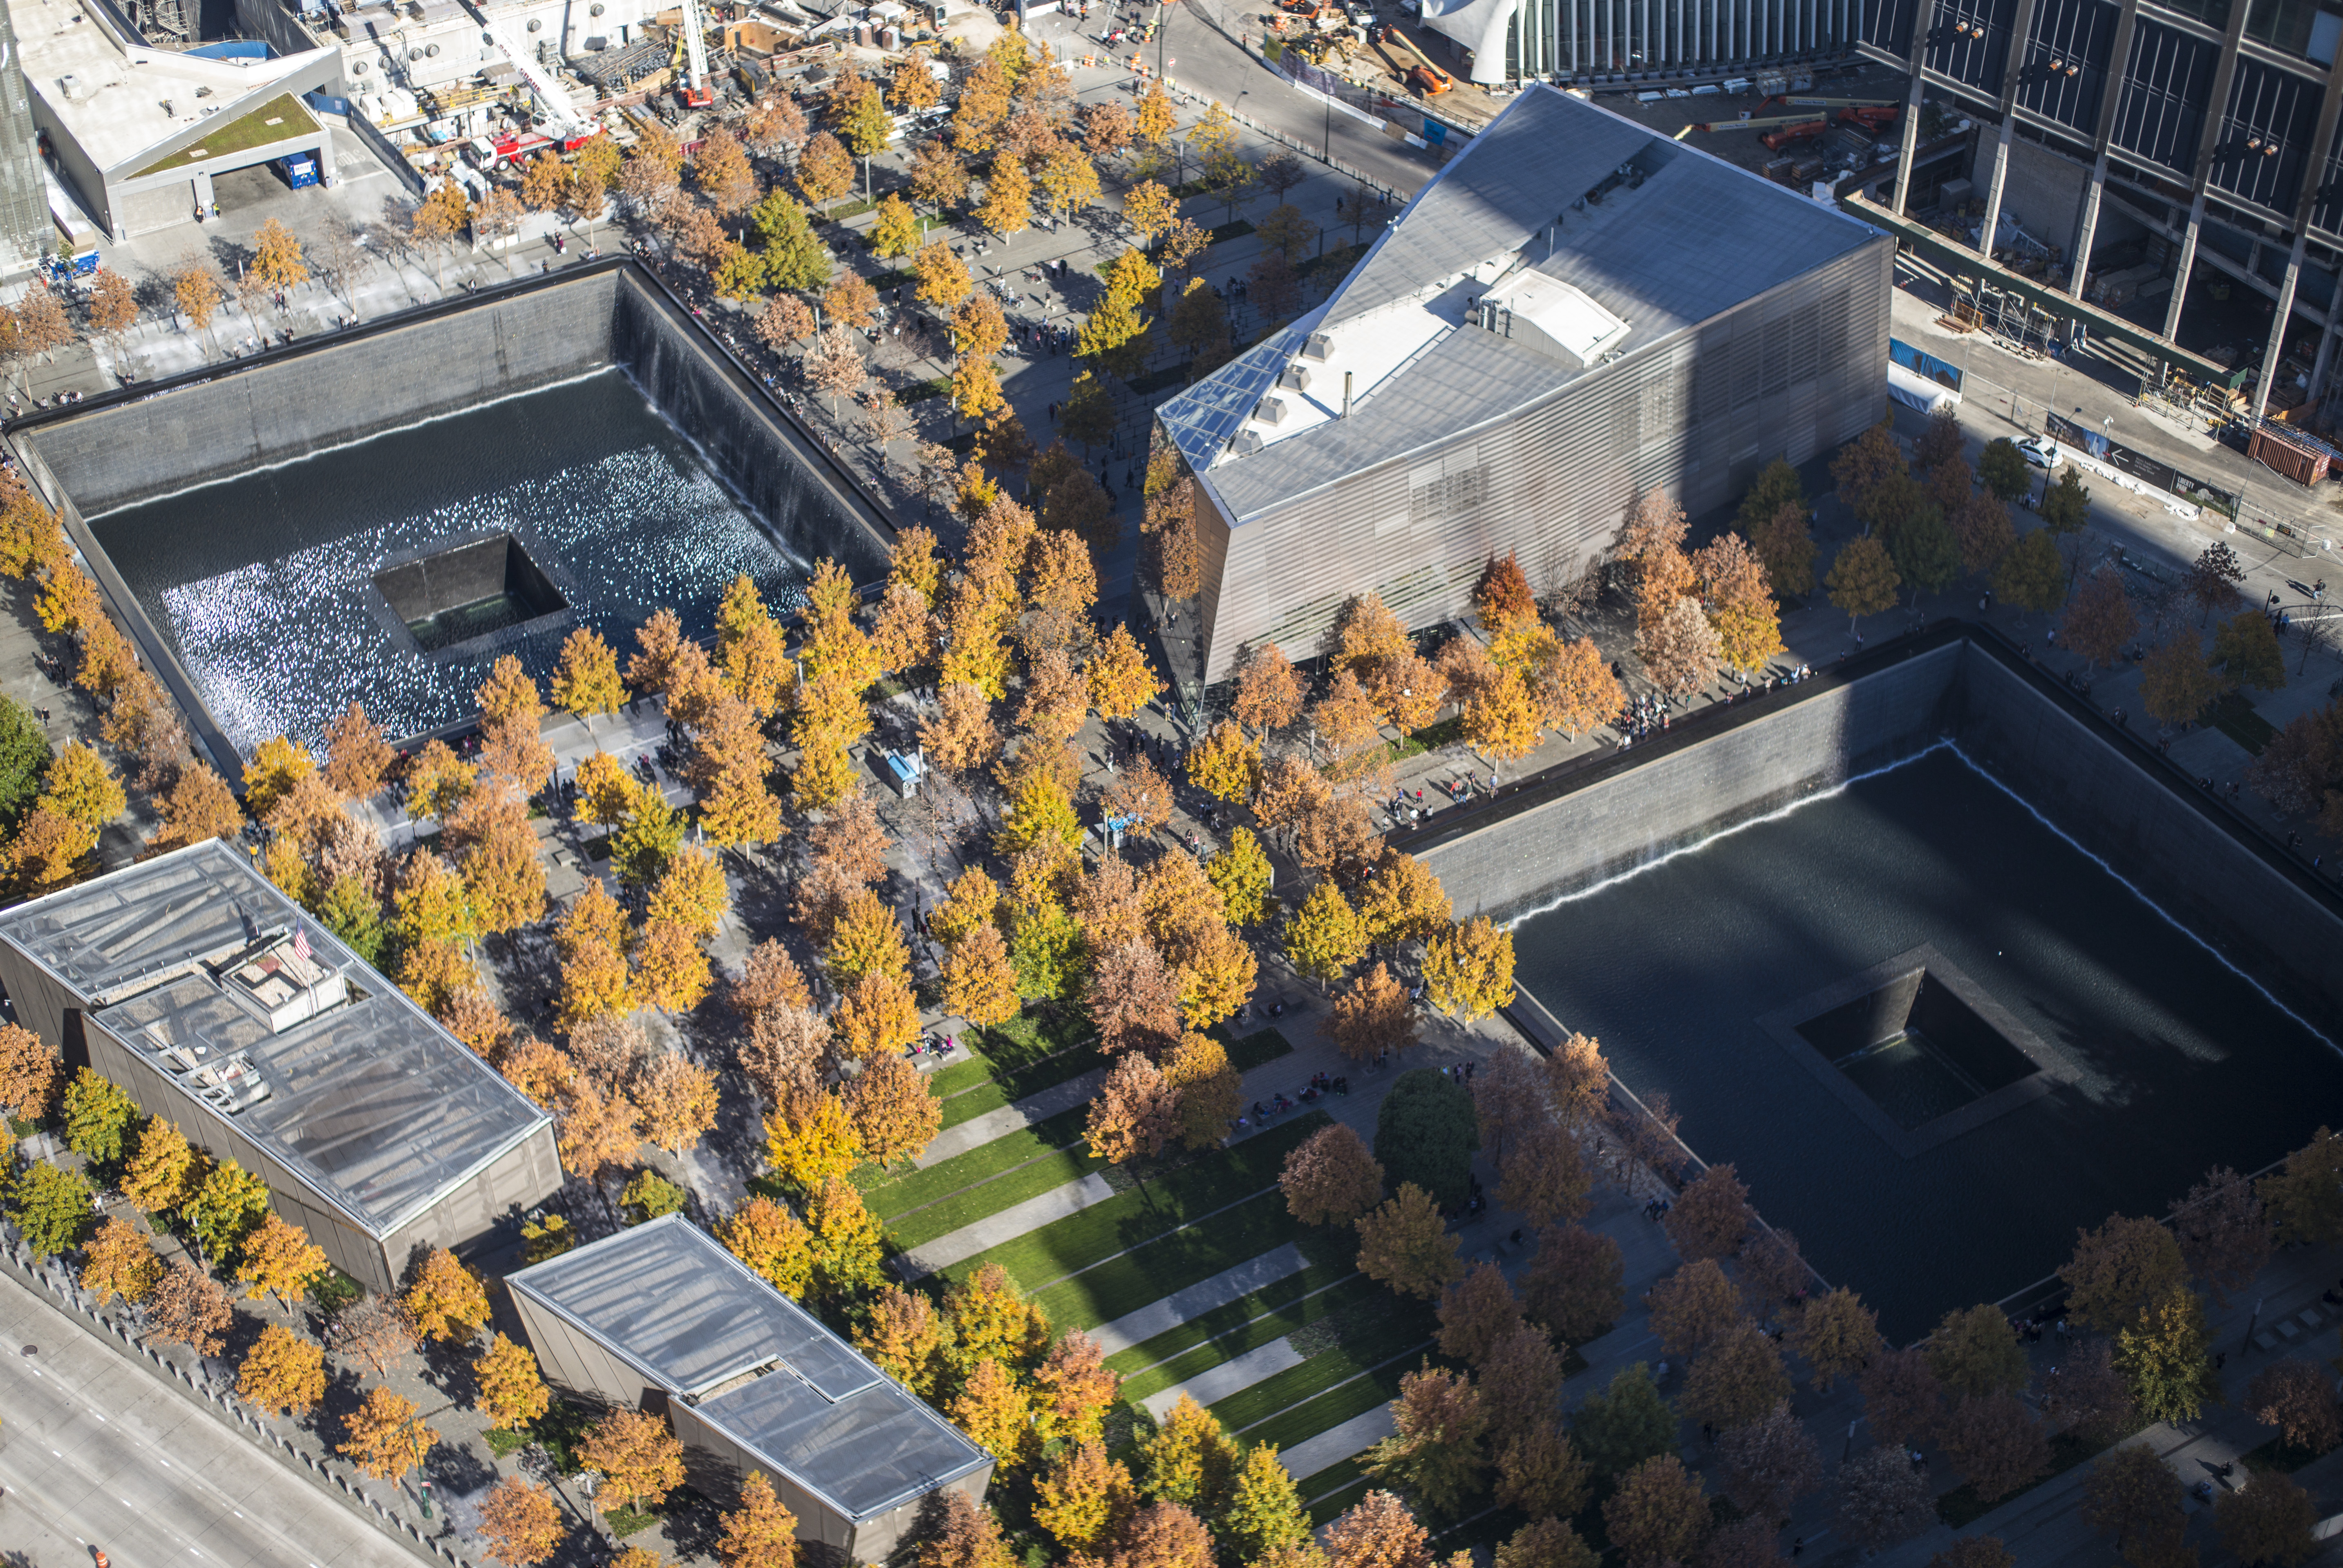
<point>217,1003</point>
<point>660,1317</point>
<point>136,133</point>
<point>1575,310</point>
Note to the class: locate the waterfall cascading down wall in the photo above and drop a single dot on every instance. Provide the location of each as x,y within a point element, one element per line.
<point>2266,916</point>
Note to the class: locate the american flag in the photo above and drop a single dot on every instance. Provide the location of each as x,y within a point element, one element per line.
<point>301,944</point>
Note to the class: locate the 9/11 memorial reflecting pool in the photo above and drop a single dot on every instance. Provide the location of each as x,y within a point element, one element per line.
<point>1934,1036</point>
<point>396,569</point>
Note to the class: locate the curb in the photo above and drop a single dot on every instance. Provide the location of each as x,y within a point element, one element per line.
<point>224,1407</point>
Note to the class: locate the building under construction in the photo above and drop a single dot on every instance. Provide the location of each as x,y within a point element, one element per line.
<point>216,1002</point>
<point>1574,310</point>
<point>2175,144</point>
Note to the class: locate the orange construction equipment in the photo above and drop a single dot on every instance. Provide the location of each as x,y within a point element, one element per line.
<point>1806,131</point>
<point>1422,76</point>
<point>1873,118</point>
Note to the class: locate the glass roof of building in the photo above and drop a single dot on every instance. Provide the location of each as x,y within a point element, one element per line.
<point>695,1320</point>
<point>321,1061</point>
<point>1202,420</point>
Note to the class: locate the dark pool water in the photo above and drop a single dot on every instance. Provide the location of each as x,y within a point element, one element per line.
<point>264,583</point>
<point>2169,1062</point>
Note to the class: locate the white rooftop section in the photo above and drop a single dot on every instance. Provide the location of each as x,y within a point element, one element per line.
<point>118,98</point>
<point>1561,238</point>
<point>1552,315</point>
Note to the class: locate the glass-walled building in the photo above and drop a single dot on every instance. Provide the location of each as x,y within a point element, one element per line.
<point>2196,139</point>
<point>1574,40</point>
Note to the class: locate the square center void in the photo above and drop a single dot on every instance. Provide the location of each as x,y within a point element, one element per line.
<point>1916,1048</point>
<point>453,595</point>
<point>1755,980</point>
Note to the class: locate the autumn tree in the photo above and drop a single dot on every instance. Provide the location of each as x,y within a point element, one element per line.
<point>895,1117</point>
<point>1136,1113</point>
<point>1372,1015</point>
<point>1768,1464</point>
<point>1902,1398</point>
<point>279,1260</point>
<point>1540,1472</point>
<point>118,1262</point>
<point>282,1372</point>
<point>2119,1271</point>
<point>1837,1336</point>
<point>677,1100</point>
<point>1994,1442</point>
<point>446,1301</point>
<point>1475,1312</point>
<point>1331,1178</point>
<point>2269,1519</point>
<point>969,1538</point>
<point>1711,1216</point>
<point>2100,620</point>
<point>2303,1198</point>
<point>386,1436</point>
<point>512,1394</point>
<point>1468,970</point>
<point>1265,1512</point>
<point>638,1457</point>
<point>375,1331</point>
<point>1573,1282</point>
<point>1735,1378</point>
<point>1881,1499</point>
<point>1406,1245</point>
<point>520,1521</point>
<point>1658,1513</point>
<point>2134,1499</point>
<point>1377,1531</point>
<point>1436,1447</point>
<point>2087,1396</point>
<point>2166,1357</point>
<point>29,1071</point>
<point>357,756</point>
<point>1693,1307</point>
<point>187,1307</point>
<point>2176,684</point>
<point>1863,579</point>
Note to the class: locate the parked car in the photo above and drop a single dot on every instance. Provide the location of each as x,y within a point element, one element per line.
<point>2039,450</point>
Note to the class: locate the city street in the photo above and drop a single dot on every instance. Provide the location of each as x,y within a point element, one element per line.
<point>97,1453</point>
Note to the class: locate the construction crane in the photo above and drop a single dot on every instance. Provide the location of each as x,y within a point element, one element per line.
<point>697,92</point>
<point>562,122</point>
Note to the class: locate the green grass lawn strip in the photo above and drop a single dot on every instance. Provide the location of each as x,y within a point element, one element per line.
<point>1047,1174</point>
<point>1156,1268</point>
<point>947,1081</point>
<point>1261,1331</point>
<point>1227,1318</point>
<point>1258,1048</point>
<point>1333,1478</point>
<point>916,1188</point>
<point>1007,1088</point>
<point>1127,1220</point>
<point>1326,1370</point>
<point>1332,1408</point>
<point>1326,1509</point>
